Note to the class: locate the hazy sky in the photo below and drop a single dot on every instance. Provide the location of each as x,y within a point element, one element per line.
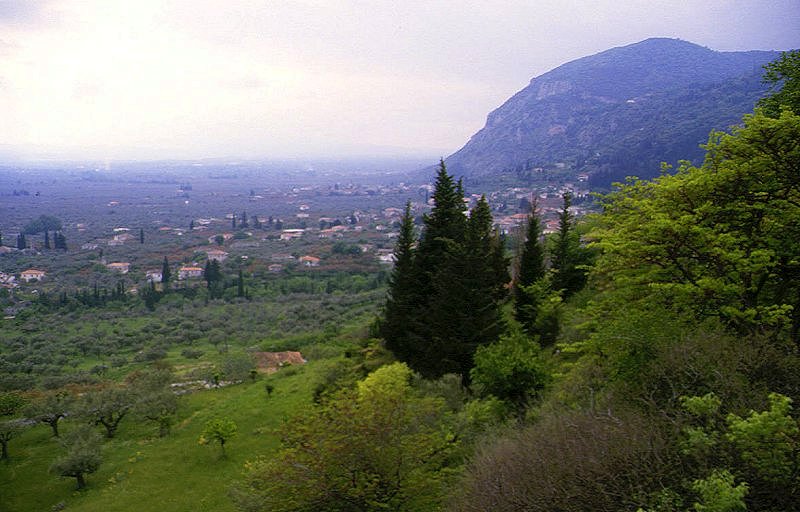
<point>144,79</point>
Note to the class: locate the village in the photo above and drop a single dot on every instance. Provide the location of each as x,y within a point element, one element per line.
<point>268,231</point>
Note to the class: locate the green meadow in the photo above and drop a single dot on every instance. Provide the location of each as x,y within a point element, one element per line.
<point>141,471</point>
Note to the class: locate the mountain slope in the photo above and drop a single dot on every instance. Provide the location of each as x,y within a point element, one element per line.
<point>620,112</point>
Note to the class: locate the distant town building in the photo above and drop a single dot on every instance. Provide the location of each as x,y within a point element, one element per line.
<point>31,274</point>
<point>121,266</point>
<point>280,256</point>
<point>217,254</point>
<point>386,256</point>
<point>153,276</point>
<point>309,261</point>
<point>189,272</point>
<point>275,268</point>
<point>124,237</point>
<point>7,280</point>
<point>290,234</point>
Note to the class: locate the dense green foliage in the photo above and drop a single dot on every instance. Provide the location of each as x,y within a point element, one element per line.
<point>784,75</point>
<point>378,447</point>
<point>717,240</point>
<point>218,430</point>
<point>445,294</point>
<point>43,223</point>
<point>82,455</point>
<point>677,368</point>
<point>530,269</point>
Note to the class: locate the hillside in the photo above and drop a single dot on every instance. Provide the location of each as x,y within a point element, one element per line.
<point>620,112</point>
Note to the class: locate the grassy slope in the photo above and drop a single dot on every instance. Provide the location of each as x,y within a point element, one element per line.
<point>141,472</point>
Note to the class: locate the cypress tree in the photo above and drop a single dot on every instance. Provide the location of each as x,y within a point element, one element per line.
<point>165,273</point>
<point>469,287</point>
<point>46,240</point>
<point>240,284</point>
<point>435,262</point>
<point>21,242</point>
<point>403,299</point>
<point>567,254</point>
<point>59,241</point>
<point>141,235</point>
<point>530,269</point>
<point>444,296</point>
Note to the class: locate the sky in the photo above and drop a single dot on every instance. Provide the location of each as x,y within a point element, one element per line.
<point>192,79</point>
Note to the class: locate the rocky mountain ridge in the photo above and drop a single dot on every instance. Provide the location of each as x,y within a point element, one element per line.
<point>617,113</point>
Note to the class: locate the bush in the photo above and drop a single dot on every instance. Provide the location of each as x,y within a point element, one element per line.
<point>571,462</point>
<point>192,353</point>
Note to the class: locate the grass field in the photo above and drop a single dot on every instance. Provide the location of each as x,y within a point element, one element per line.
<point>141,472</point>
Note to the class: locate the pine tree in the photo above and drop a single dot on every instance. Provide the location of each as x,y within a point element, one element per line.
<point>468,290</point>
<point>165,274</point>
<point>213,277</point>
<point>530,269</point>
<point>444,296</point>
<point>403,298</point>
<point>567,254</point>
<point>444,226</point>
<point>59,241</point>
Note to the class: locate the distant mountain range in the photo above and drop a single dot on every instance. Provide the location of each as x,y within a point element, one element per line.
<point>617,113</point>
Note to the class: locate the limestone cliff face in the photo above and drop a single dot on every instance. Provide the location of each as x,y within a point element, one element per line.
<point>620,112</point>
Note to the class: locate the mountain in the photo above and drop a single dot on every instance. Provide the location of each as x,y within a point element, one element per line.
<point>617,113</point>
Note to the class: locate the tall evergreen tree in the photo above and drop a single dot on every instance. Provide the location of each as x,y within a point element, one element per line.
<point>530,269</point>
<point>567,254</point>
<point>444,295</point>
<point>243,223</point>
<point>443,227</point>
<point>240,284</point>
<point>59,241</point>
<point>47,240</point>
<point>21,242</point>
<point>213,277</point>
<point>166,274</point>
<point>403,299</point>
<point>464,311</point>
<point>141,235</point>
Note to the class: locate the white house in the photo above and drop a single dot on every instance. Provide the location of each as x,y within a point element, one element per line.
<point>189,272</point>
<point>31,274</point>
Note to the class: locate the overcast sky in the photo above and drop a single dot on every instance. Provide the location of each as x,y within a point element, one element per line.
<point>149,79</point>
